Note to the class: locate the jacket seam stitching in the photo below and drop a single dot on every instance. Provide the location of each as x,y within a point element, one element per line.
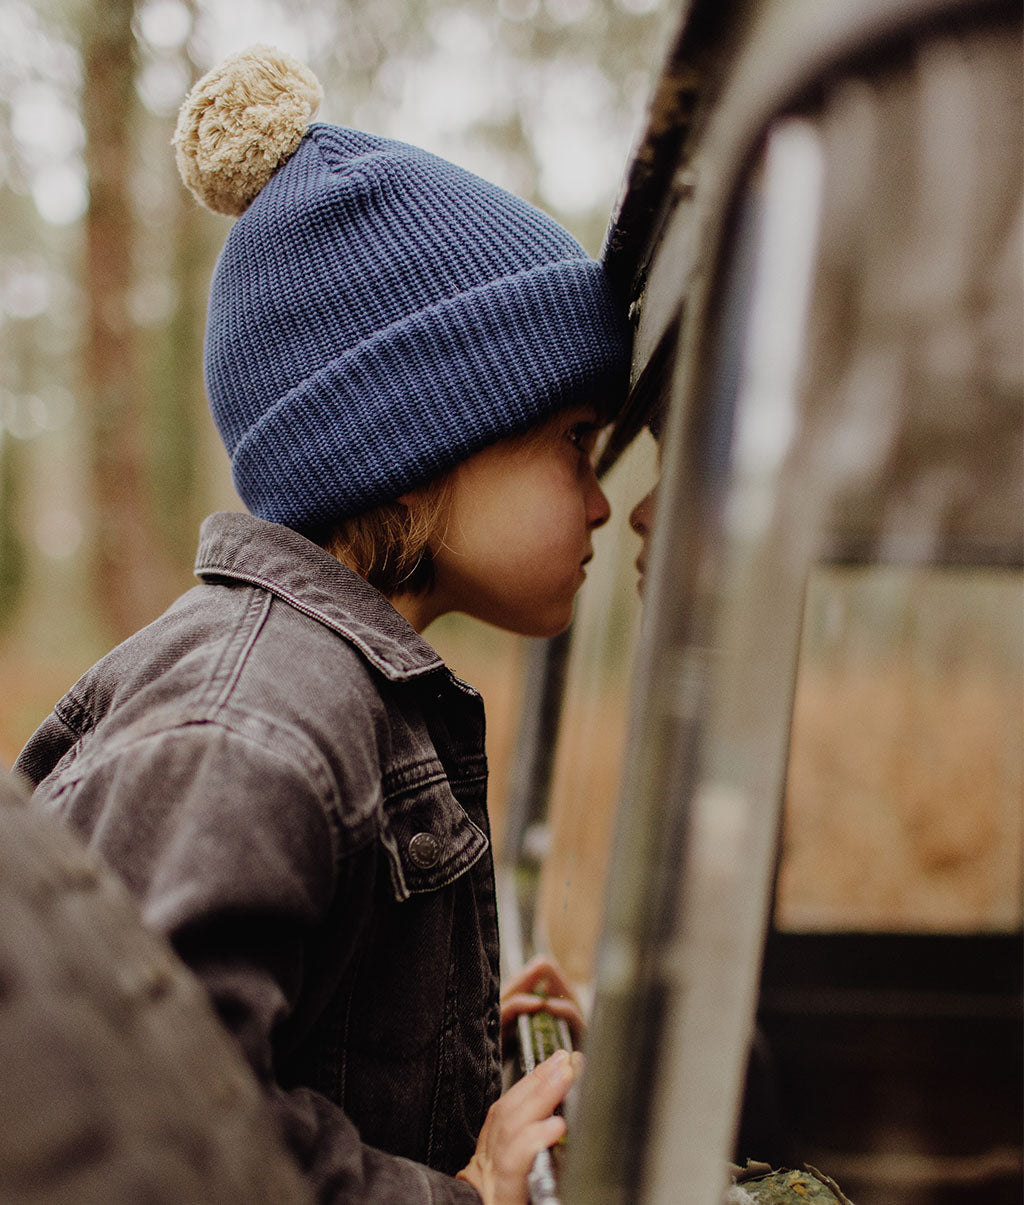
<point>234,673</point>
<point>330,799</point>
<point>317,773</point>
<point>410,777</point>
<point>211,695</point>
<point>393,793</point>
<point>387,839</point>
<point>63,710</point>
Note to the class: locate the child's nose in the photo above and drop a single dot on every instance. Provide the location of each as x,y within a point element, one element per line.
<point>640,515</point>
<point>599,509</point>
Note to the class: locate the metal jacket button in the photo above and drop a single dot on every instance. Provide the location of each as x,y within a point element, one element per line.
<point>424,850</point>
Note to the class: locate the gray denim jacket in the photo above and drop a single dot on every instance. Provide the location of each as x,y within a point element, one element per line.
<point>293,785</point>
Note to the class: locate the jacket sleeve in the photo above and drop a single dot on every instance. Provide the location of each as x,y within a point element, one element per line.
<point>225,838</point>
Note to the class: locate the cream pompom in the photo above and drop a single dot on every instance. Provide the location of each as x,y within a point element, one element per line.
<point>240,122</point>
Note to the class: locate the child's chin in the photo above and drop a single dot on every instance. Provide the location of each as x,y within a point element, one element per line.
<point>546,626</point>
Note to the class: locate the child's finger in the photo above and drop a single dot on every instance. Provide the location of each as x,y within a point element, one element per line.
<point>537,1095</point>
<point>499,1166</point>
<point>518,1127</point>
<point>513,1006</point>
<point>536,1138</point>
<point>541,976</point>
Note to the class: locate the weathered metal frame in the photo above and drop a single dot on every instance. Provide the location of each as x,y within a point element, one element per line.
<point>709,116</point>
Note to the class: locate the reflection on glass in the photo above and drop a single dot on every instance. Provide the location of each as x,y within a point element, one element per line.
<point>592,739</point>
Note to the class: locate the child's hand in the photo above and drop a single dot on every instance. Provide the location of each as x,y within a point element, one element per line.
<point>540,984</point>
<point>518,1127</point>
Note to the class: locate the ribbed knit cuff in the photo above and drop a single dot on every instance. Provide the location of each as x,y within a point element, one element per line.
<point>482,354</point>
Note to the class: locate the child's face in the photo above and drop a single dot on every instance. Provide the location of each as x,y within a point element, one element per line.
<point>519,528</point>
<point>641,520</point>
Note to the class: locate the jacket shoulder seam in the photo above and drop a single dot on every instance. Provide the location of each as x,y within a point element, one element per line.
<point>229,665</point>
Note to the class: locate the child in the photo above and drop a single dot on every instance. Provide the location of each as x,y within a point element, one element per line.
<point>407,366</point>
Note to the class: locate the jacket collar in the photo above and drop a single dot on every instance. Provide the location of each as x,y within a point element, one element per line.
<point>239,547</point>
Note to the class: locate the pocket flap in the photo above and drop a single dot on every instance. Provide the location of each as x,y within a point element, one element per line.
<point>429,838</point>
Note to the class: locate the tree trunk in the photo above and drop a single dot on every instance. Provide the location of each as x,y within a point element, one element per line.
<point>131,573</point>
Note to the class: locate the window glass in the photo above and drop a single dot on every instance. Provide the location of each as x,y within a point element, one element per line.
<point>592,740</point>
<point>903,798</point>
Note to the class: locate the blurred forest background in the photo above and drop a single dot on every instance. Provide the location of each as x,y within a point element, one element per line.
<point>108,461</point>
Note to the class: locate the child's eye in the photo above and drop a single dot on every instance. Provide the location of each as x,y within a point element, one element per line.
<point>583,436</point>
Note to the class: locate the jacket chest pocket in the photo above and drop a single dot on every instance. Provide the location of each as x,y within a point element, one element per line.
<point>429,838</point>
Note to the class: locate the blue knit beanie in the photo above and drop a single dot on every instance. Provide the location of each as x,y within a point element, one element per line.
<point>377,314</point>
